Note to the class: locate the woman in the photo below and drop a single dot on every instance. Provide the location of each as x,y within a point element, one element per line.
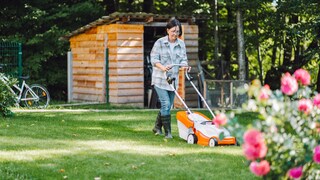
<point>166,51</point>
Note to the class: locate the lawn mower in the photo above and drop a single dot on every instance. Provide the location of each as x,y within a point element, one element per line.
<point>195,127</point>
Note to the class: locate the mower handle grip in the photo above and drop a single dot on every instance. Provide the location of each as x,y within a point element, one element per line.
<point>181,65</point>
<point>169,79</point>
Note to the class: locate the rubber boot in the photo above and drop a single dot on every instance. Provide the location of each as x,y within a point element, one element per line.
<point>157,125</point>
<point>166,122</point>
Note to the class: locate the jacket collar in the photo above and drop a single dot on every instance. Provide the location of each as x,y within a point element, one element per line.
<point>166,41</point>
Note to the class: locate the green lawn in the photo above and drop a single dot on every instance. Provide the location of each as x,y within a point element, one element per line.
<point>107,145</point>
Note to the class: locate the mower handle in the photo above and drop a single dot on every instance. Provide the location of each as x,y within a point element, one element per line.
<point>169,79</point>
<point>188,76</point>
<point>200,95</point>
<point>181,65</point>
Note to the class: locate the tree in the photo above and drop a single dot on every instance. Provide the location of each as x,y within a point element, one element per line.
<point>240,42</point>
<point>38,25</point>
<point>296,37</point>
<point>272,38</point>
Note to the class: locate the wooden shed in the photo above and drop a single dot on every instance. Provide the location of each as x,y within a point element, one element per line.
<point>110,58</point>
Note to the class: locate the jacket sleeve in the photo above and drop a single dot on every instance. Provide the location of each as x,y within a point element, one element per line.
<point>155,53</point>
<point>184,59</point>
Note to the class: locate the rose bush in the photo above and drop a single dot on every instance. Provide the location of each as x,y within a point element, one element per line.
<point>283,140</point>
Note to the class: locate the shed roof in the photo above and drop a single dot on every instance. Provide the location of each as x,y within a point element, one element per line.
<point>147,19</point>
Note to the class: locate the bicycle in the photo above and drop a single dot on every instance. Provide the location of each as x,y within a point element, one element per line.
<point>33,96</point>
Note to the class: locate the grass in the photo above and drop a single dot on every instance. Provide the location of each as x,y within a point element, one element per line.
<point>115,144</point>
<point>101,106</point>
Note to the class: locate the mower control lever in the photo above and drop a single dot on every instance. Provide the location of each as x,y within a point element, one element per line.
<point>170,80</point>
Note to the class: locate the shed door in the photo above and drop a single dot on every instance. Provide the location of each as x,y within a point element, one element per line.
<point>151,34</point>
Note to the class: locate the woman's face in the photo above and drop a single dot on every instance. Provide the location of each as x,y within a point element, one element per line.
<point>173,33</point>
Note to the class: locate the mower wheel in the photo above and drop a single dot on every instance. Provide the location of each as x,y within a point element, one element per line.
<point>192,139</point>
<point>213,142</point>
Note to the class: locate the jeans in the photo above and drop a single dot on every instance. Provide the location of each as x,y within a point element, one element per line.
<point>166,99</point>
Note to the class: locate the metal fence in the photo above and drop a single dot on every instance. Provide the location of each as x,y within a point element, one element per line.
<point>224,93</point>
<point>11,58</point>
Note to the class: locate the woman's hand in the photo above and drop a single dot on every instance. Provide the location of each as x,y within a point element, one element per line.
<point>167,68</point>
<point>163,68</point>
<point>187,68</point>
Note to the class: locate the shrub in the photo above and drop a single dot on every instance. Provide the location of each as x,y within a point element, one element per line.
<point>7,99</point>
<point>283,141</point>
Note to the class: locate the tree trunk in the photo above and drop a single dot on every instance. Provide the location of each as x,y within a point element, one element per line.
<point>240,42</point>
<point>214,6</point>
<point>219,70</point>
<point>229,40</point>
<point>289,46</point>
<point>275,43</point>
<point>258,48</point>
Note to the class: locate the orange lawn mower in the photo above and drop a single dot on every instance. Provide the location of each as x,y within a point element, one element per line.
<point>195,127</point>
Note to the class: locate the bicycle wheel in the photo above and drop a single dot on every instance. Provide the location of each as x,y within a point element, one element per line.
<point>41,92</point>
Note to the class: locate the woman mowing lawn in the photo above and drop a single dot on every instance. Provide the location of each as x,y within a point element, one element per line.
<point>166,51</point>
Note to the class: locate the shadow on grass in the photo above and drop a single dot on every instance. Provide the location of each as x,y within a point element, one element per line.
<point>110,145</point>
<point>120,165</point>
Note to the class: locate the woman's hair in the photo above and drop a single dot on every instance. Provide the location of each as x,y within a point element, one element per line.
<point>174,22</point>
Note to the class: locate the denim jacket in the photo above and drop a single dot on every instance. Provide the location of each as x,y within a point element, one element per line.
<point>161,53</point>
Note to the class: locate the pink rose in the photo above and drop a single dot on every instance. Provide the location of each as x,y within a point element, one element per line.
<point>289,84</point>
<point>252,137</point>
<point>264,93</point>
<point>302,76</point>
<point>316,100</point>
<point>305,105</point>
<point>220,120</point>
<point>316,155</point>
<point>295,172</point>
<point>254,146</point>
<point>253,152</point>
<point>260,168</point>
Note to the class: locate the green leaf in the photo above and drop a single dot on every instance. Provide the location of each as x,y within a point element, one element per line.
<point>221,135</point>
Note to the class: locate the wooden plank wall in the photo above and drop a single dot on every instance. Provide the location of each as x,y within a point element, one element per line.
<point>88,66</point>
<point>186,91</point>
<point>126,76</point>
<point>126,73</point>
